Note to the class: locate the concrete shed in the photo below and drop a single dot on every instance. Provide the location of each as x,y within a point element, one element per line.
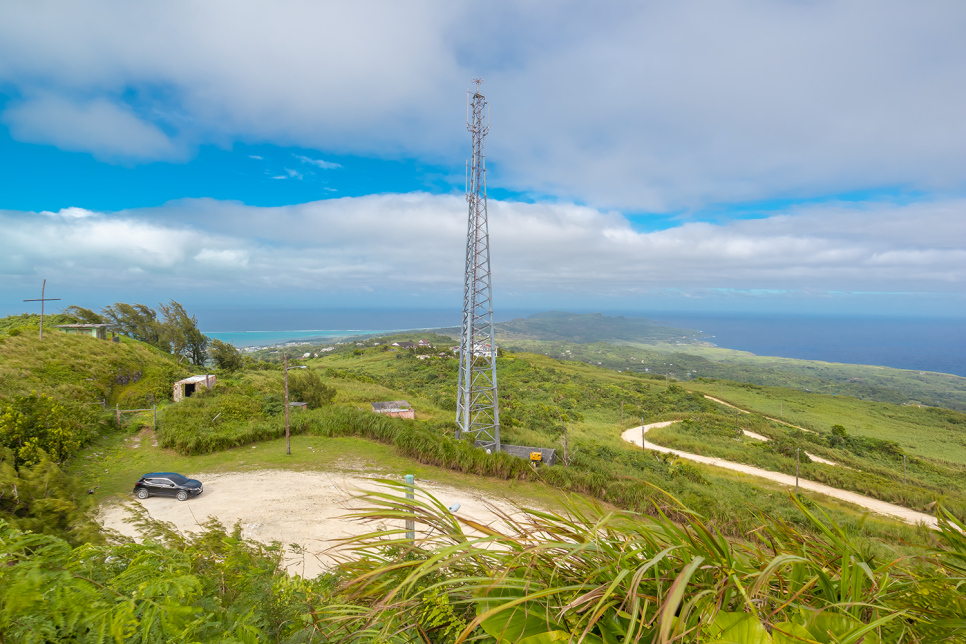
<point>98,331</point>
<point>397,408</point>
<point>187,387</point>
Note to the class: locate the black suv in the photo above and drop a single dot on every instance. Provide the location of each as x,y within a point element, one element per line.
<point>167,484</point>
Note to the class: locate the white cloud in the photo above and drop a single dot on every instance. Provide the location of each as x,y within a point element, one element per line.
<point>637,105</point>
<point>70,213</point>
<point>109,131</point>
<point>254,156</point>
<point>413,245</point>
<point>325,165</point>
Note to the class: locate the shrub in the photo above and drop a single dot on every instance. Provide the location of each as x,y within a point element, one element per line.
<point>306,386</point>
<point>37,424</point>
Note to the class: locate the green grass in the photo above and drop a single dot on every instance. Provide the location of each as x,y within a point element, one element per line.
<point>927,432</point>
<point>85,369</point>
<point>873,474</point>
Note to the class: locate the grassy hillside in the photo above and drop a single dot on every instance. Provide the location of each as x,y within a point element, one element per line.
<point>931,432</point>
<point>541,398</point>
<point>684,362</point>
<point>86,370</point>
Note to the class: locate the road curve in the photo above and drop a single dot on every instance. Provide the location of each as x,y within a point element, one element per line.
<point>635,435</point>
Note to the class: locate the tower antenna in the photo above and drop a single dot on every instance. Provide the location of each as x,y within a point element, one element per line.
<point>477,403</point>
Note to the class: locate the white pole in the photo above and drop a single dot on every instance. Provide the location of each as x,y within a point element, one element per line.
<point>410,524</point>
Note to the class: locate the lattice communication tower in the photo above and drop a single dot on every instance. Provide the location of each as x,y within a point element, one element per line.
<point>477,405</point>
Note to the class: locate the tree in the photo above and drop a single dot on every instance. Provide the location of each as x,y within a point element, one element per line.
<point>225,355</point>
<point>180,332</point>
<point>84,316</point>
<point>304,385</point>
<point>175,332</point>
<point>135,321</point>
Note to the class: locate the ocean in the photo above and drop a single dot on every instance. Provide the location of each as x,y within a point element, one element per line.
<point>920,344</point>
<point>243,339</point>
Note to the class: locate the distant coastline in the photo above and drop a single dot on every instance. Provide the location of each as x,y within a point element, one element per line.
<point>261,339</point>
<point>923,344</point>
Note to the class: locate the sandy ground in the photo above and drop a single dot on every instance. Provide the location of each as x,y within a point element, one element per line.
<point>636,435</point>
<point>290,507</point>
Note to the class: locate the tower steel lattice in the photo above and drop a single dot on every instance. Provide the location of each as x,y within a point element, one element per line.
<point>478,406</point>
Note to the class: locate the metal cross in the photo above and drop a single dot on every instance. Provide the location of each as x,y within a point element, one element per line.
<point>42,300</point>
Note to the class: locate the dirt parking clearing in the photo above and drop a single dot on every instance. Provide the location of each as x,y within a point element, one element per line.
<point>290,507</point>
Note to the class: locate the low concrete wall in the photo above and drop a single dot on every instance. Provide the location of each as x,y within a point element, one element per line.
<point>520,451</point>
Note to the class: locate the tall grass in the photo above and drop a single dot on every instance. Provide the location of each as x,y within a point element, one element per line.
<point>601,577</point>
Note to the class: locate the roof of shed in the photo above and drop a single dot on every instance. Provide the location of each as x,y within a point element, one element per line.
<point>192,379</point>
<point>390,405</point>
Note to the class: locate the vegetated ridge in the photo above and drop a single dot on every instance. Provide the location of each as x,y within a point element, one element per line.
<point>229,589</point>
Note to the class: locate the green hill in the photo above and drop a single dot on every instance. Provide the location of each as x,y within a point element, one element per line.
<point>86,370</point>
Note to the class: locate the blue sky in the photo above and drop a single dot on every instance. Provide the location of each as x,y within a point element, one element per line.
<point>799,157</point>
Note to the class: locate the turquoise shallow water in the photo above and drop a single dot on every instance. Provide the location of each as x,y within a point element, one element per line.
<point>266,338</point>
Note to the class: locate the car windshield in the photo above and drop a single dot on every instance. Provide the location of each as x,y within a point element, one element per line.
<point>177,479</point>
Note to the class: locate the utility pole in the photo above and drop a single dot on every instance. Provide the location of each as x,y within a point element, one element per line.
<point>477,400</point>
<point>288,440</point>
<point>798,451</point>
<point>643,443</point>
<point>42,300</point>
<point>285,368</point>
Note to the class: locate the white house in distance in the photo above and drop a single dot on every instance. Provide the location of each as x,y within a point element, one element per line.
<point>187,387</point>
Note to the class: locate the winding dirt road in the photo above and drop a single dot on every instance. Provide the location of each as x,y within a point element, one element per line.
<point>635,435</point>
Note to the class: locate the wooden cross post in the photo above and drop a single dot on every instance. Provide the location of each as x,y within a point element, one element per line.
<point>42,300</point>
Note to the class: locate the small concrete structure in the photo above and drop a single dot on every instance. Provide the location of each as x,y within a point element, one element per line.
<point>396,408</point>
<point>298,405</point>
<point>187,387</point>
<point>547,456</point>
<point>98,331</point>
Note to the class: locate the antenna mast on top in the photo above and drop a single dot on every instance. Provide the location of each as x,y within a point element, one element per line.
<point>477,404</point>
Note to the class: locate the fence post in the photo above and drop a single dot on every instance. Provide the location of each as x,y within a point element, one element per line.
<point>155,408</point>
<point>410,524</point>
<point>643,444</point>
<point>798,452</point>
<point>117,411</point>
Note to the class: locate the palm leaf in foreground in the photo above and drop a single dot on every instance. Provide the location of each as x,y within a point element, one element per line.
<point>598,576</point>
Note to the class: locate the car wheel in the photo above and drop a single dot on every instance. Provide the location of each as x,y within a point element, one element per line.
<point>182,495</point>
<point>142,493</point>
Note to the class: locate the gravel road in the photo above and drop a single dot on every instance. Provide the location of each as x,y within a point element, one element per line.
<point>635,435</point>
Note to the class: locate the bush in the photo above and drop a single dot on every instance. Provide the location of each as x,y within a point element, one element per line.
<point>304,385</point>
<point>36,425</point>
<point>226,356</point>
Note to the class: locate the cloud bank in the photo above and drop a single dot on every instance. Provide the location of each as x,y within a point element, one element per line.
<point>399,246</point>
<point>647,106</point>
